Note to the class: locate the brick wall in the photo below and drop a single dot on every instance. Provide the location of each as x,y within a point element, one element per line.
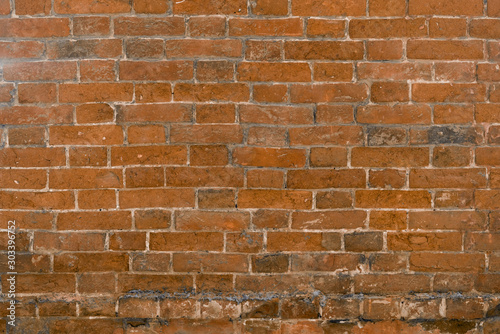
<point>270,166</point>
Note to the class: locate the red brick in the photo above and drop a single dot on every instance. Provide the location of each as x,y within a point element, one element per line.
<point>94,113</point>
<point>204,177</point>
<point>387,28</point>
<point>186,241</point>
<point>88,48</point>
<point>140,134</point>
<point>328,50</point>
<point>7,92</point>
<point>86,135</point>
<point>215,113</point>
<point>270,219</point>
<point>21,49</point>
<point>442,92</point>
<point>282,115</point>
<point>156,198</point>
<point>485,28</point>
<point>269,157</point>
<point>445,114</point>
<point>326,135</point>
<point>445,262</point>
<point>207,26</point>
<point>267,136</point>
<point>87,156</point>
<point>391,284</point>
<point>212,221</point>
<point>393,199</point>
<point>127,241</point>
<point>168,112</point>
<point>387,8</point>
<point>36,71</point>
<point>95,92</point>
<point>97,70</point>
<point>5,7</point>
<point>388,220</point>
<point>144,48</point>
<point>394,71</point>
<point>208,155</point>
<point>270,7</point>
<point>325,28</point>
<point>34,27</point>
<point>149,26</point>
<point>59,200</point>
<point>206,134</point>
<point>152,155</point>
<point>27,220</point>
<point>363,242</point>
<point>263,50</point>
<point>270,93</point>
<point>265,27</point>
<point>487,156</point>
<point>159,70</point>
<point>147,7</point>
<point>387,178</point>
<point>328,157</point>
<point>234,92</point>
<point>346,92</point>
<point>384,50</point>
<point>53,241</point>
<point>19,115</point>
<point>203,262</point>
<point>444,50</point>
<point>333,72</point>
<point>277,72</point>
<point>27,136</point>
<point>326,178</point>
<point>329,220</point>
<point>218,7</point>
<point>261,178</point>
<point>81,262</point>
<point>88,6</point>
<point>137,308</point>
<point>326,114</point>
<point>447,27</point>
<point>448,178</point>
<point>144,177</point>
<point>23,178</point>
<point>390,92</point>
<point>91,25</point>
<point>215,71</point>
<point>389,157</point>
<point>216,199</point>
<point>32,157</point>
<point>155,262</point>
<point>435,7</point>
<point>418,241</point>
<point>43,283</point>
<point>244,242</point>
<point>333,199</point>
<point>97,199</point>
<point>182,48</point>
<point>487,199</point>
<point>96,220</point>
<point>37,93</point>
<point>285,199</point>
<point>152,219</point>
<point>332,8</point>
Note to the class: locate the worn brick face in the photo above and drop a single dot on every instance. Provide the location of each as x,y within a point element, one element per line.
<point>251,166</point>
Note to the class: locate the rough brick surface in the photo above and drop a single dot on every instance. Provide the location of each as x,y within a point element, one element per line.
<point>260,166</point>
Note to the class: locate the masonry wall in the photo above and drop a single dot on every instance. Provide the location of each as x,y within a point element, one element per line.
<point>270,166</point>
